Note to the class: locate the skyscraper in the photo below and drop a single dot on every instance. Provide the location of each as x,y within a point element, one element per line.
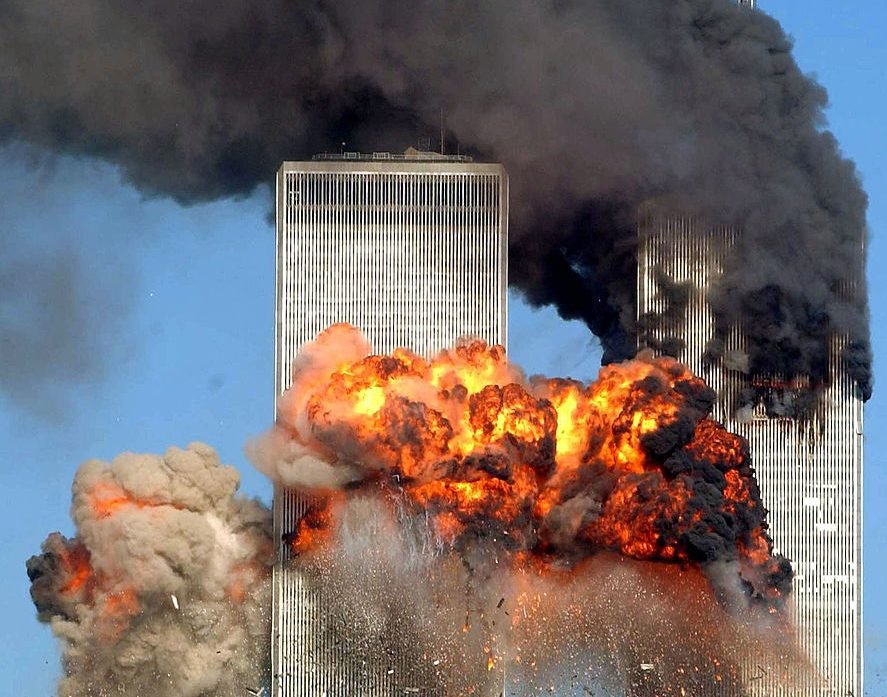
<point>808,461</point>
<point>411,249</point>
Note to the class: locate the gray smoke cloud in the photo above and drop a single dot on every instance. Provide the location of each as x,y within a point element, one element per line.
<point>48,326</point>
<point>164,591</point>
<point>593,107</point>
<point>61,302</point>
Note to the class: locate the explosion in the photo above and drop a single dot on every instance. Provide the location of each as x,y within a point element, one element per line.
<point>459,518</point>
<point>552,471</point>
<point>163,591</point>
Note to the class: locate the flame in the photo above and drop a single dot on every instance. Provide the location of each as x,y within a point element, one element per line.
<point>121,603</point>
<point>554,468</point>
<point>117,608</point>
<point>77,569</point>
<point>107,499</point>
<point>312,528</point>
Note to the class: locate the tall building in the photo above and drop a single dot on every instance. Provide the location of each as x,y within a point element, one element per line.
<point>809,466</point>
<point>411,249</point>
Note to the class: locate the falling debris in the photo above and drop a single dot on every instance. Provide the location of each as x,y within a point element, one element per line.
<point>619,499</point>
<point>631,518</point>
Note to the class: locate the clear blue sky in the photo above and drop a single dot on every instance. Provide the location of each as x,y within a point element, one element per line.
<point>192,357</point>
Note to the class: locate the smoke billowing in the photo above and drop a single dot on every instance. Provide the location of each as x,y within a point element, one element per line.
<point>557,470</point>
<point>622,527</point>
<point>593,108</point>
<point>165,589</point>
<point>460,524</point>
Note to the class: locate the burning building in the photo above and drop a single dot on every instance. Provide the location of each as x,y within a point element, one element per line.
<point>804,433</point>
<point>411,249</point>
<point>590,123</point>
<point>525,487</point>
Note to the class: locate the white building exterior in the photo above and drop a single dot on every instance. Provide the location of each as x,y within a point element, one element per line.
<point>809,470</point>
<point>412,249</point>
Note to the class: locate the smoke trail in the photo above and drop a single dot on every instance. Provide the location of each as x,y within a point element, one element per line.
<point>48,322</point>
<point>593,108</point>
<point>163,592</point>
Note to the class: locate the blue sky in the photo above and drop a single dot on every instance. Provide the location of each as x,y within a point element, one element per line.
<point>189,295</point>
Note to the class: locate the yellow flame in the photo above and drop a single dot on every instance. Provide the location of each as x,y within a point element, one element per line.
<point>369,401</point>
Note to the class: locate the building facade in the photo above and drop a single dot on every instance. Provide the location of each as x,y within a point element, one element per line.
<point>411,249</point>
<point>809,468</point>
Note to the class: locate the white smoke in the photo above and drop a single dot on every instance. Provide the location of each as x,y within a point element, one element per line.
<point>173,597</point>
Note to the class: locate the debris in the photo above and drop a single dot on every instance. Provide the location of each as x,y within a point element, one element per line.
<point>501,600</point>
<point>175,601</point>
<point>760,674</point>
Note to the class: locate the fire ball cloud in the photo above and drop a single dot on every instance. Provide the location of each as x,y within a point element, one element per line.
<point>165,589</point>
<point>461,516</point>
<point>593,108</point>
<point>555,470</point>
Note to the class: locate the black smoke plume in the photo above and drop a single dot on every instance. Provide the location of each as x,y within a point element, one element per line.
<point>593,107</point>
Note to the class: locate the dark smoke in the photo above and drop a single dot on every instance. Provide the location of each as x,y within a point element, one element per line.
<point>593,107</point>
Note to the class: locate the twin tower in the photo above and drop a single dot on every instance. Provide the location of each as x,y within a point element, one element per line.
<point>413,250</point>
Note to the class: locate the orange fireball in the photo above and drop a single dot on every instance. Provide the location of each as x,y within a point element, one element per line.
<point>551,468</point>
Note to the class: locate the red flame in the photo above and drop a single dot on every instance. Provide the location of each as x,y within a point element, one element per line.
<point>106,499</point>
<point>629,463</point>
<point>78,578</point>
<point>312,528</point>
<point>117,608</point>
